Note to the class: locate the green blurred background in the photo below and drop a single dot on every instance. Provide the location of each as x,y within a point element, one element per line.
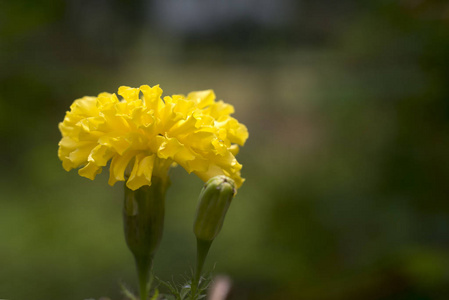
<point>347,166</point>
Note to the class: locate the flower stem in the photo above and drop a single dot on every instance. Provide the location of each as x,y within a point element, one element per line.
<point>144,265</point>
<point>202,249</point>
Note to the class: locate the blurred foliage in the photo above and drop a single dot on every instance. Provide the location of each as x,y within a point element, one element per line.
<point>346,165</point>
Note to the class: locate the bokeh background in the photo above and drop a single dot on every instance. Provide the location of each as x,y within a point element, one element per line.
<point>347,165</point>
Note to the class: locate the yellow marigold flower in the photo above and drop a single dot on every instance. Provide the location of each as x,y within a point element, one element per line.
<point>145,135</point>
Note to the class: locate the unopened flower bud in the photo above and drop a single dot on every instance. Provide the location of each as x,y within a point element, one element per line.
<point>214,201</point>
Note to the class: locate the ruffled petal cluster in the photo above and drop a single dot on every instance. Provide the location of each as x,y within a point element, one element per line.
<point>143,135</point>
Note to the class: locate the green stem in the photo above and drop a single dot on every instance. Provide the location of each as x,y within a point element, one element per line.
<point>201,254</point>
<point>144,265</point>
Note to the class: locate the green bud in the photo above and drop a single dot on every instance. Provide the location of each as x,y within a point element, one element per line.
<point>214,201</point>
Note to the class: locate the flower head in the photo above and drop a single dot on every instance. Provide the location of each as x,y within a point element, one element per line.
<point>144,135</point>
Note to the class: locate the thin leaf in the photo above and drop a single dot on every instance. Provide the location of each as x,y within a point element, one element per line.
<point>127,293</point>
<point>156,294</point>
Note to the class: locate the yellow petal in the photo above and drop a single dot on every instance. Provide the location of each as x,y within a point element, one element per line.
<point>212,171</point>
<point>117,143</point>
<point>90,170</point>
<point>152,97</point>
<point>141,172</point>
<point>128,93</point>
<point>197,165</point>
<point>202,98</point>
<point>106,101</point>
<point>219,147</point>
<point>85,106</point>
<point>183,127</point>
<point>169,148</point>
<point>118,167</point>
<point>219,109</point>
<point>79,156</point>
<point>100,155</point>
<point>183,107</point>
<point>200,140</point>
<point>234,149</point>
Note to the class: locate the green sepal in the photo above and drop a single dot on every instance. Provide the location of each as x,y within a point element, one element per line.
<point>143,219</point>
